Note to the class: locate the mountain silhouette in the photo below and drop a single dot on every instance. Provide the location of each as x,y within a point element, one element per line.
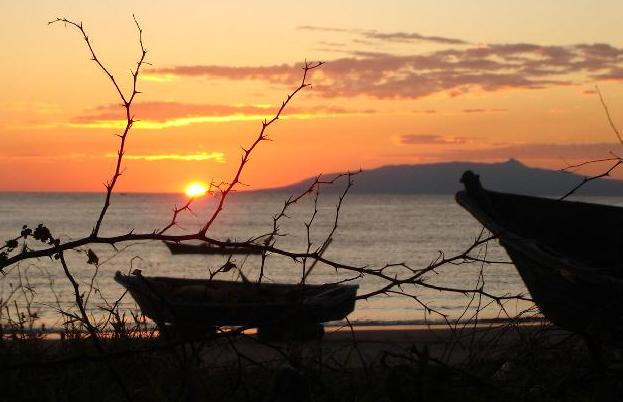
<point>443,178</point>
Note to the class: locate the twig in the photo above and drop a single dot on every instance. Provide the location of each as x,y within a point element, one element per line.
<point>126,103</point>
<point>587,179</point>
<point>261,137</point>
<point>608,116</point>
<point>91,329</point>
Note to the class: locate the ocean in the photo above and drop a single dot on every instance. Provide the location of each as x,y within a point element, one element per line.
<point>374,230</point>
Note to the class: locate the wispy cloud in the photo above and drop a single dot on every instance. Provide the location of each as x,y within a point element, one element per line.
<point>218,157</point>
<point>411,37</point>
<point>158,77</point>
<point>38,157</point>
<point>159,115</point>
<point>531,151</point>
<point>454,70</point>
<point>427,111</point>
<point>388,36</point>
<point>165,111</point>
<point>413,139</point>
<point>480,110</point>
<point>316,28</point>
<point>468,111</point>
<point>332,44</point>
<point>31,107</point>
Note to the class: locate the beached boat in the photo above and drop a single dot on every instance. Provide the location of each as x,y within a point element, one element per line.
<point>207,248</point>
<point>202,303</point>
<point>569,255</point>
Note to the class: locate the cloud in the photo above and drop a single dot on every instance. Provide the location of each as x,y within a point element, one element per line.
<point>431,139</point>
<point>527,151</point>
<point>277,73</point>
<point>164,111</point>
<point>468,111</point>
<point>589,92</point>
<point>37,157</point>
<point>218,157</point>
<point>479,110</point>
<point>454,71</point>
<point>387,36</point>
<point>31,107</point>
<point>332,44</point>
<point>158,115</point>
<point>411,36</point>
<point>328,29</point>
<point>158,77</point>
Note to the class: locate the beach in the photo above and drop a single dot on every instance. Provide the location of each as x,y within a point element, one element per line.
<point>450,344</point>
<point>360,363</point>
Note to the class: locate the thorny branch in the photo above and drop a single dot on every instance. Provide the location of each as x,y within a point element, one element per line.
<point>608,116</point>
<point>588,179</point>
<point>617,160</point>
<point>269,238</point>
<point>262,136</point>
<point>84,318</point>
<point>126,103</point>
<point>417,275</point>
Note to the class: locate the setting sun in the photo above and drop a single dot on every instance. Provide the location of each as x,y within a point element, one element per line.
<point>194,190</point>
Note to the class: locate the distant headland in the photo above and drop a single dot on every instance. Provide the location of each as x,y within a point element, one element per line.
<point>443,178</point>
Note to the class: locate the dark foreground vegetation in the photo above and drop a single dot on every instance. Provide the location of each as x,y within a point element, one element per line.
<point>525,363</point>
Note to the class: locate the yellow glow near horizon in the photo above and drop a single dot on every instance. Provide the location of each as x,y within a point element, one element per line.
<point>187,121</point>
<point>195,190</point>
<point>218,157</point>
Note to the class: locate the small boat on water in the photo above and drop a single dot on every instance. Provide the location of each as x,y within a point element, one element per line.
<point>569,254</point>
<point>203,304</point>
<point>207,248</point>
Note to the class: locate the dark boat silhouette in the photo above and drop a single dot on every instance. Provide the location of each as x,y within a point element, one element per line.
<point>191,304</point>
<point>569,254</point>
<point>207,248</point>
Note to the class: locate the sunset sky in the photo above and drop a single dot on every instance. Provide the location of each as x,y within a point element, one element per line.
<point>405,82</point>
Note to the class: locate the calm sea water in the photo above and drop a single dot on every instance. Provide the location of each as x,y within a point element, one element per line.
<point>374,230</point>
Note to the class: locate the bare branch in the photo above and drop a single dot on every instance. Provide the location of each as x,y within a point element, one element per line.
<point>261,137</point>
<point>608,116</point>
<point>588,179</point>
<point>126,103</point>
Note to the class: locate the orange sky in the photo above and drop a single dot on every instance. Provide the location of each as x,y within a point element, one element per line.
<point>405,82</point>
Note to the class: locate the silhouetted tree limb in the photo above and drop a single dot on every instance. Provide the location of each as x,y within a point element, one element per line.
<point>126,103</point>
<point>608,116</point>
<point>262,136</point>
<point>588,179</point>
<point>84,318</point>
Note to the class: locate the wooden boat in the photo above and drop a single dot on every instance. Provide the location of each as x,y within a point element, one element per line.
<point>202,303</point>
<point>569,255</point>
<point>207,248</point>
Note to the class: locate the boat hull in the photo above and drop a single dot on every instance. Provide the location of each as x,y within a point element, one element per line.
<point>206,248</point>
<point>569,300</point>
<point>177,301</point>
<point>568,254</point>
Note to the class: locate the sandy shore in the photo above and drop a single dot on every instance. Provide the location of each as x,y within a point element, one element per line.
<point>372,360</point>
<point>363,345</point>
<point>369,345</point>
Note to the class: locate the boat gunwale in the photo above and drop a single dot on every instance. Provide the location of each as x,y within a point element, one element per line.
<point>130,283</point>
<point>531,245</point>
<point>180,247</point>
